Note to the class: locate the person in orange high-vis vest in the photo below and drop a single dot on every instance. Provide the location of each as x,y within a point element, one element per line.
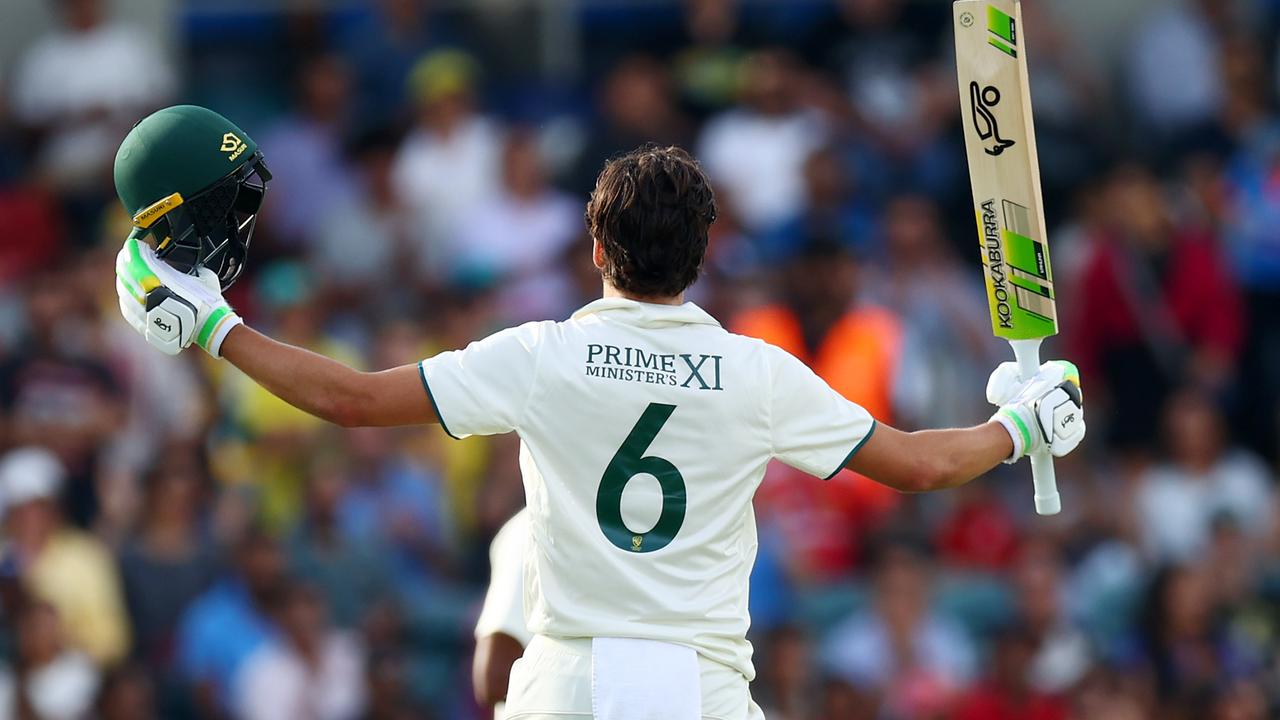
<point>857,356</point>
<point>855,348</point>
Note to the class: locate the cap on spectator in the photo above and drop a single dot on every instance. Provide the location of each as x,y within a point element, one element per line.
<point>441,74</point>
<point>29,473</point>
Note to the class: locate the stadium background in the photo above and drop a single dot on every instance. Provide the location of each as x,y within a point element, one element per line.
<point>431,160</point>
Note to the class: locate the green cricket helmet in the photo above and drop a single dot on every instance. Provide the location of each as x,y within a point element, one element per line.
<point>193,183</point>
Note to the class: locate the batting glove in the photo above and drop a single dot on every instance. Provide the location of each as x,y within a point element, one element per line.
<point>1046,411</point>
<point>169,308</point>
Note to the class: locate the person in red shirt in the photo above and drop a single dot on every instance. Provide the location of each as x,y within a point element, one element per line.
<point>978,533</point>
<point>1007,694</point>
<point>1156,305</point>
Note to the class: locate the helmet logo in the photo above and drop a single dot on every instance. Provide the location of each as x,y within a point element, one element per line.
<point>148,215</point>
<point>232,145</point>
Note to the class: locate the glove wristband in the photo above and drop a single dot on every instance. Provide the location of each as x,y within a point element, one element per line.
<point>1018,431</point>
<point>215,330</point>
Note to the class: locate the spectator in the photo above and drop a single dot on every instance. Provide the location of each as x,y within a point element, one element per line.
<point>1157,303</point>
<point>392,500</point>
<point>388,697</point>
<point>48,681</point>
<point>855,347</point>
<point>1235,568</point>
<point>842,700</point>
<point>947,343</point>
<point>901,651</point>
<point>1061,654</point>
<point>1204,479</point>
<point>70,570</point>
<point>637,105</point>
<point>1073,118</point>
<point>382,48</point>
<point>451,159</point>
<point>582,276</point>
<point>1175,66</point>
<point>756,153</point>
<point>978,533</point>
<point>1239,197</point>
<point>397,502</point>
<point>350,574</point>
<point>57,391</point>
<point>127,693</point>
<point>285,437</point>
<point>170,560</point>
<point>1189,653</point>
<point>706,65</point>
<point>310,670</point>
<point>304,151</point>
<point>35,234</point>
<point>833,207</point>
<point>80,88</point>
<point>156,392</point>
<point>897,92</point>
<point>1007,693</point>
<point>788,690</point>
<point>820,316</point>
<point>373,212</point>
<point>1110,695</point>
<point>13,155</point>
<point>1244,700</point>
<point>516,235</point>
<point>230,621</point>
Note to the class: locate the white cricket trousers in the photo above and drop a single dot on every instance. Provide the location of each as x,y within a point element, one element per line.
<point>553,682</point>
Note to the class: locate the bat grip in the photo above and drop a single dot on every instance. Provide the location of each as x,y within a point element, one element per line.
<point>1042,475</point>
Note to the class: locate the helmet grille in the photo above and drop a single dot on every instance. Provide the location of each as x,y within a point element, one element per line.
<point>210,209</point>
<point>213,228</point>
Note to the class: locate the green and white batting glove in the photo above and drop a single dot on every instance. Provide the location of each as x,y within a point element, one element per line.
<point>1046,411</point>
<point>169,308</point>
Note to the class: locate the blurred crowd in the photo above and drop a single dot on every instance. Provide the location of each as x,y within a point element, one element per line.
<point>178,543</point>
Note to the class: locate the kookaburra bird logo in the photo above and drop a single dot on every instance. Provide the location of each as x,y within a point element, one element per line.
<point>982,100</point>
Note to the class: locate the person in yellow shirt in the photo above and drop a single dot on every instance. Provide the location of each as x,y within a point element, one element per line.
<point>70,570</point>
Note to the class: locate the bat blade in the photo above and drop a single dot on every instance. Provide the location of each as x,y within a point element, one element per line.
<point>1004,170</point>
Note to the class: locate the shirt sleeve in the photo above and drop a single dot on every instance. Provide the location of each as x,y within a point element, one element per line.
<point>813,428</point>
<point>483,388</point>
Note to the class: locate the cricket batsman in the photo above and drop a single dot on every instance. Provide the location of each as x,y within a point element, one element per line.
<point>645,427</point>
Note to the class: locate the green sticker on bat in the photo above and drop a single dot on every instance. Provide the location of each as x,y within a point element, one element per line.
<point>1002,26</point>
<point>1019,279</point>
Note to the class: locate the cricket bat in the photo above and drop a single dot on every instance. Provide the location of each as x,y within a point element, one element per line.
<point>1000,141</point>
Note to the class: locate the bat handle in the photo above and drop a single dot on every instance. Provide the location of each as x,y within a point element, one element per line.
<point>1042,475</point>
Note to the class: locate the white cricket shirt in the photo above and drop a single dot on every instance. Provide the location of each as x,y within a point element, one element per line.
<point>645,430</point>
<point>503,608</point>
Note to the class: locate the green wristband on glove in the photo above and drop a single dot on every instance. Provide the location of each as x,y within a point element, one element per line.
<point>1044,411</point>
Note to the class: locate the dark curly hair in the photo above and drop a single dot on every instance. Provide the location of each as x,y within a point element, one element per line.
<point>650,211</point>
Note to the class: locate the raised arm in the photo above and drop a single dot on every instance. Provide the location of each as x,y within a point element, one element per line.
<point>1044,412</point>
<point>929,460</point>
<point>173,310</point>
<point>815,429</point>
<point>326,388</point>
